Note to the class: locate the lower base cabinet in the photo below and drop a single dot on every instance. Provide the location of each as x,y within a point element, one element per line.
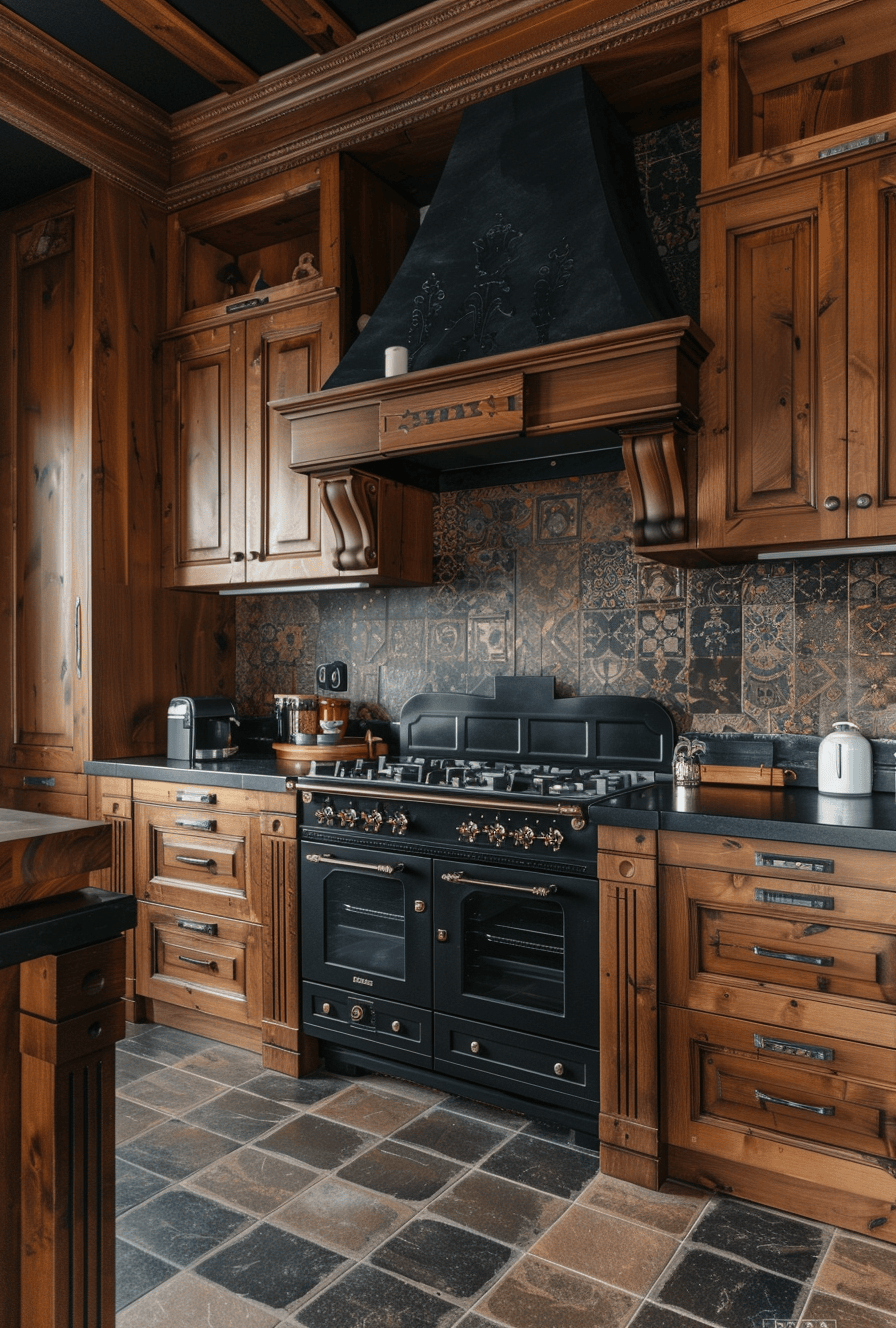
<point>216,950</point>
<point>777,1025</point>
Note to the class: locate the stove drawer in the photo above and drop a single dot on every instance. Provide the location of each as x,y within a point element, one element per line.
<point>517,1062</point>
<point>401,1032</point>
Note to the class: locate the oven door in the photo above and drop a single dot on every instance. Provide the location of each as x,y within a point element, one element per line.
<point>366,921</point>
<point>518,949</point>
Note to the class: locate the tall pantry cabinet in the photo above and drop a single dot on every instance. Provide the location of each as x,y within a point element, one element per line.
<point>91,648</point>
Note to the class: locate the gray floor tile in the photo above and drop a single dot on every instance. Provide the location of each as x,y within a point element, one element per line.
<point>170,1090</point>
<point>405,1173</point>
<point>365,1296</point>
<point>240,1116</point>
<point>495,1207</point>
<point>251,1179</point>
<point>137,1272</point>
<point>175,1150</point>
<point>447,1258</point>
<point>302,1092</point>
<point>318,1142</point>
<point>168,1045</point>
<point>272,1266</point>
<point>129,1068</point>
<point>180,1226</point>
<point>546,1166</point>
<point>775,1241</point>
<point>132,1118</point>
<point>226,1065</point>
<point>726,1291</point>
<point>133,1185</point>
<point>458,1136</point>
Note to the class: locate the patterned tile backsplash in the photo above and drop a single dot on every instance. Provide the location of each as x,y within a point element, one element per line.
<point>540,578</point>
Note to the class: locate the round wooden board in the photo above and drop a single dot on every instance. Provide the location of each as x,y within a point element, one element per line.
<point>340,751</point>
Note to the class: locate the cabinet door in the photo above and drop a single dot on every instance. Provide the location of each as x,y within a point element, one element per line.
<point>288,353</point>
<point>204,507</point>
<point>773,459</point>
<point>872,348</point>
<point>44,492</point>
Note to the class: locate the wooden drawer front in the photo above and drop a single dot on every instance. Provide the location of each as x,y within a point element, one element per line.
<point>43,781</point>
<point>801,949</point>
<point>60,986</point>
<point>209,798</point>
<point>815,866</point>
<point>813,1101</point>
<point>621,839</point>
<point>201,962</point>
<point>36,800</point>
<point>215,870</point>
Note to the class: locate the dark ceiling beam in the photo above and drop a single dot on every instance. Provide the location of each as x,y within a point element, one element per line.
<point>319,26</point>
<point>62,100</point>
<point>169,28</point>
<point>431,63</point>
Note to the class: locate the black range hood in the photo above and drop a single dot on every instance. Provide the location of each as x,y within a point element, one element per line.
<point>542,336</point>
<point>537,233</point>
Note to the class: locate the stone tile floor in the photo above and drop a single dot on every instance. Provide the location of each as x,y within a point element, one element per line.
<point>250,1200</point>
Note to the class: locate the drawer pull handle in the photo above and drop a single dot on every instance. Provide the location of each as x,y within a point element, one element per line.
<point>187,824</point>
<point>204,928</point>
<point>208,863</point>
<point>820,961</point>
<point>792,900</point>
<point>186,795</point>
<point>386,868</point>
<point>793,863</point>
<point>38,781</point>
<point>803,1049</point>
<point>202,963</point>
<point>542,891</point>
<point>786,1102</point>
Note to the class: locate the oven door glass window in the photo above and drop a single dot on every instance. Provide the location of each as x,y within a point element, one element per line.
<point>513,951</point>
<point>364,925</point>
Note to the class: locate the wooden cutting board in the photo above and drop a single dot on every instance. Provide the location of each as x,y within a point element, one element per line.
<point>339,751</point>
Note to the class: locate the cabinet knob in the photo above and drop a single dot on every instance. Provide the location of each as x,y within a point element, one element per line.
<point>396,1026</point>
<point>863,500</point>
<point>326,1007</point>
<point>559,1068</point>
<point>252,555</point>
<point>237,557</point>
<point>474,1047</point>
<point>832,503</point>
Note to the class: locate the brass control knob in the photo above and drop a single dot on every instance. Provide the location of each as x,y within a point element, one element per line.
<point>372,821</point>
<point>497,833</point>
<point>523,838</point>
<point>325,815</point>
<point>468,830</point>
<point>552,838</point>
<point>357,1013</point>
<point>348,816</point>
<point>398,822</point>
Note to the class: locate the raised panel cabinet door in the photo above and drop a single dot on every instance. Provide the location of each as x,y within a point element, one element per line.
<point>203,513</point>
<point>45,491</point>
<point>872,348</point>
<point>288,353</point>
<point>773,460</point>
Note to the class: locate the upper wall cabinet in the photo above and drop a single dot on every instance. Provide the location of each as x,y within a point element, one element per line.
<point>790,83</point>
<point>266,285</point>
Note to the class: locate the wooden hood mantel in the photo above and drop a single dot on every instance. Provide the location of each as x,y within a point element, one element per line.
<point>641,382</point>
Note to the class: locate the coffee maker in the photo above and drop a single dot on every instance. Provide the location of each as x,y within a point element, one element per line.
<point>199,728</point>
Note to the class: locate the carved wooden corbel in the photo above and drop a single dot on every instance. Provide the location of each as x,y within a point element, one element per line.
<point>351,501</point>
<point>660,463</point>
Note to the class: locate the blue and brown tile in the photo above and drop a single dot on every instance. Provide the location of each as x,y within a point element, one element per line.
<point>608,575</point>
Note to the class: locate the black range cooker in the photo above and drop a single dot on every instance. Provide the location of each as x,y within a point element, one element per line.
<point>449,899</point>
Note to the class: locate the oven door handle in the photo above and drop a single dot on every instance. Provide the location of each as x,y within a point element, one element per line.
<point>542,891</point>
<point>387,868</point>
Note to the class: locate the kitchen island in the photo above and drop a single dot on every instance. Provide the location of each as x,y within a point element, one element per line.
<point>61,976</point>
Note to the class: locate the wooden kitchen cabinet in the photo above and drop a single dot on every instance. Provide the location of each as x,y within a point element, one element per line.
<point>326,239</point>
<point>92,647</point>
<point>778,1023</point>
<point>216,950</point>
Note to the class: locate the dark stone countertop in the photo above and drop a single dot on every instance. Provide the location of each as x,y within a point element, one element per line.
<point>798,815</point>
<point>242,772</point>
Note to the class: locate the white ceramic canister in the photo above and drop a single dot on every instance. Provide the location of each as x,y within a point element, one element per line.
<point>844,762</point>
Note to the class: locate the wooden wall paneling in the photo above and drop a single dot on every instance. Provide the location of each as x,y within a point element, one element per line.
<point>10,1147</point>
<point>110,800</point>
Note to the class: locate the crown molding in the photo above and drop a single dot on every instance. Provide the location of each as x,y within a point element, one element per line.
<point>63,100</point>
<point>404,73</point>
